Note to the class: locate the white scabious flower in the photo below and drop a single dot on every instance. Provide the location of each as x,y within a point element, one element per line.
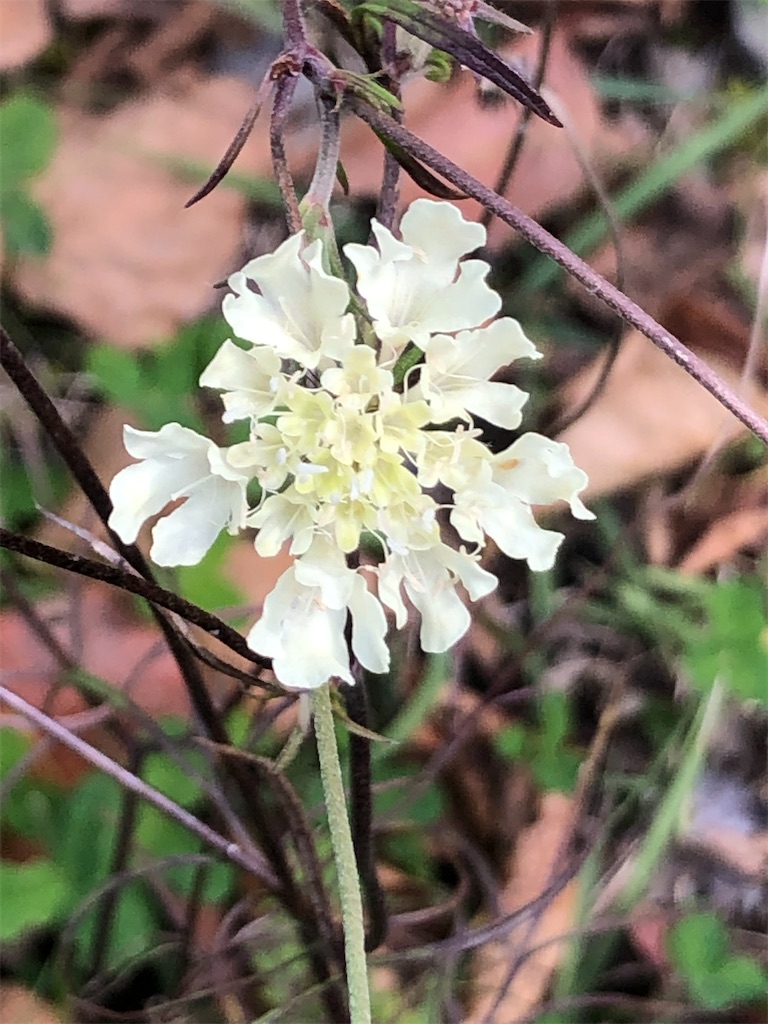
<point>177,463</point>
<point>416,287</point>
<point>344,442</point>
<point>300,312</point>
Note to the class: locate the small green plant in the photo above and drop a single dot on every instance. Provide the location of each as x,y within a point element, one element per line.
<point>28,133</point>
<point>716,978</point>
<point>544,747</point>
<point>158,384</point>
<point>75,832</point>
<point>732,646</point>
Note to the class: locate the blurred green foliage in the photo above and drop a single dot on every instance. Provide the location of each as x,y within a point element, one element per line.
<point>28,134</point>
<point>716,979</point>
<point>159,385</point>
<point>544,746</point>
<point>75,832</point>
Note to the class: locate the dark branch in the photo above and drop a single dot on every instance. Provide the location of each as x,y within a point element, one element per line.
<point>153,593</point>
<point>542,240</point>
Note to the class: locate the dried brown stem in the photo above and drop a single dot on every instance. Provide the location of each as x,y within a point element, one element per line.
<point>260,869</point>
<point>133,584</point>
<point>546,243</point>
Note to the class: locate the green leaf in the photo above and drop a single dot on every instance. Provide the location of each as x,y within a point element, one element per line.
<point>135,927</point>
<point>28,133</point>
<point>509,742</point>
<point>160,384</point>
<point>133,930</point>
<point>35,894</point>
<point>17,502</point>
<point>206,584</point>
<point>25,225</point>
<point>733,645</point>
<point>13,746</point>
<point>86,834</point>
<point>162,837</point>
<point>697,944</point>
<point>554,765</point>
<point>698,948</point>
<point>117,373</point>
<point>739,980</point>
<point>172,780</point>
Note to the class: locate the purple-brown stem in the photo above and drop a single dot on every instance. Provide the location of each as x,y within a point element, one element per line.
<point>281,107</point>
<point>134,784</point>
<point>542,240</point>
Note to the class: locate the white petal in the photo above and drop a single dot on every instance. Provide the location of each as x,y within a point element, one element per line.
<point>541,471</point>
<point>171,441</point>
<point>465,522</point>
<point>390,574</point>
<point>369,628</point>
<point>478,582</point>
<point>301,311</point>
<point>280,518</point>
<point>314,649</point>
<point>141,491</point>
<point>184,536</point>
<point>495,402</point>
<point>468,302</point>
<point>175,459</point>
<point>444,618</point>
<point>324,566</point>
<point>480,353</point>
<point>439,230</point>
<point>518,534</point>
<point>245,377</point>
<point>234,368</point>
<point>304,639</point>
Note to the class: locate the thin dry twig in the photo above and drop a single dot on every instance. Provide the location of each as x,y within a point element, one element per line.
<point>255,866</point>
<point>546,243</point>
<point>133,584</point>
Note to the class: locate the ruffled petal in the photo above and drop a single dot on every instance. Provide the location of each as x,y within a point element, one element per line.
<point>249,380</point>
<point>369,628</point>
<point>439,232</point>
<point>186,535</point>
<point>304,639</point>
<point>541,471</point>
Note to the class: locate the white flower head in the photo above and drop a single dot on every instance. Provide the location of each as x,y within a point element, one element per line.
<point>177,463</point>
<point>416,287</point>
<point>300,312</point>
<point>304,619</point>
<point>344,442</point>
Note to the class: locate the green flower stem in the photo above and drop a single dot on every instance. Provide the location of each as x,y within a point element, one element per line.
<point>344,856</point>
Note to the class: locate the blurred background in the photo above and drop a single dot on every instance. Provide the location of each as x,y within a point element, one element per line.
<point>606,720</point>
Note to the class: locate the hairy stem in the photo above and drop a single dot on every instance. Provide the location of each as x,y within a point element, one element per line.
<point>361,814</point>
<point>344,857</point>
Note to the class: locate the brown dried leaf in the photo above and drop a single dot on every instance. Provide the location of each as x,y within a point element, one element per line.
<point>725,538</point>
<point>84,9</point>
<point>102,633</point>
<point>450,118</point>
<point>20,1006</point>
<point>530,873</point>
<point>651,419</point>
<point>26,31</point>
<point>129,262</point>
